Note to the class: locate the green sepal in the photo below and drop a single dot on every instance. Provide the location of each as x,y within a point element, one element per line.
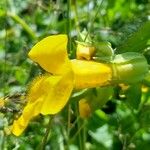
<point>83,43</point>
<point>104,51</point>
<point>130,67</point>
<point>84,38</point>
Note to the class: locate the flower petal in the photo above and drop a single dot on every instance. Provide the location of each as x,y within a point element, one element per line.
<point>51,53</point>
<point>31,110</point>
<point>47,95</point>
<point>58,95</point>
<point>89,74</point>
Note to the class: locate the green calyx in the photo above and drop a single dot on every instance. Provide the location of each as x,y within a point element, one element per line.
<point>129,68</point>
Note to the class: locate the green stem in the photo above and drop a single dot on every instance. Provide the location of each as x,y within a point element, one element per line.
<point>145,99</point>
<point>44,141</point>
<point>5,57</point>
<point>78,133</point>
<point>23,24</point>
<point>74,123</point>
<point>84,135</point>
<point>90,28</point>
<point>76,16</point>
<point>68,123</point>
<point>69,24</point>
<point>68,127</point>
<point>69,49</point>
<point>2,143</point>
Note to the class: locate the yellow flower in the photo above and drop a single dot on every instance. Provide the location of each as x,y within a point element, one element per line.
<point>49,93</point>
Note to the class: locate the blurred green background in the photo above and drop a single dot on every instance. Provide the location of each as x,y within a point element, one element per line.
<point>124,122</point>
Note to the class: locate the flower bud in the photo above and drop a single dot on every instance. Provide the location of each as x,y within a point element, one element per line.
<point>85,51</point>
<point>84,108</point>
<point>95,98</point>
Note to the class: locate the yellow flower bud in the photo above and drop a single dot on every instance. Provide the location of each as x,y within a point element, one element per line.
<point>85,51</point>
<point>84,108</point>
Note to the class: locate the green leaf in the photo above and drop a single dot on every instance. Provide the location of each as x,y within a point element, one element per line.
<point>133,95</point>
<point>126,119</point>
<point>138,41</point>
<point>97,97</point>
<point>144,116</point>
<point>103,136</point>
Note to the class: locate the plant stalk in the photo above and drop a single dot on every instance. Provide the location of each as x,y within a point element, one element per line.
<point>45,138</point>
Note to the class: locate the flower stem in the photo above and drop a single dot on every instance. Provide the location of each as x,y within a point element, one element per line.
<point>76,16</point>
<point>68,123</point>
<point>79,132</point>
<point>69,24</point>
<point>44,141</point>
<point>23,24</point>
<point>84,135</point>
<point>92,21</point>
<point>5,54</point>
